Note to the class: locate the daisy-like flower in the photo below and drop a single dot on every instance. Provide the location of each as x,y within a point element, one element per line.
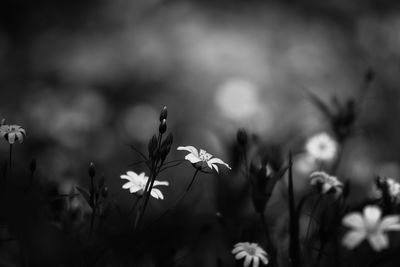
<point>203,158</point>
<point>251,252</point>
<point>392,187</point>
<point>12,133</point>
<point>137,184</point>
<point>322,147</point>
<point>370,226</point>
<point>326,183</point>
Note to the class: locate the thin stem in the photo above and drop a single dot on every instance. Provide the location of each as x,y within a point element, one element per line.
<point>270,246</point>
<point>11,146</point>
<point>181,197</point>
<point>311,215</point>
<point>294,250</point>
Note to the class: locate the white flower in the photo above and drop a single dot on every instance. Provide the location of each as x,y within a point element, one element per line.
<point>393,188</point>
<point>370,226</point>
<point>202,157</point>
<point>322,147</point>
<point>137,184</point>
<point>12,133</point>
<point>251,252</point>
<point>326,183</point>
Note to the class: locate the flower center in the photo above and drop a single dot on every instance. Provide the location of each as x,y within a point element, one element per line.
<point>251,250</point>
<point>204,156</point>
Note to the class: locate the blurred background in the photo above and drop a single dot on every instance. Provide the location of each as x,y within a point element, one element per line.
<point>87,78</point>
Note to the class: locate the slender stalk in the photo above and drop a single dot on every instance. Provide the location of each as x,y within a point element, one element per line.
<point>11,146</point>
<point>93,204</point>
<point>270,247</point>
<point>311,215</point>
<point>294,250</point>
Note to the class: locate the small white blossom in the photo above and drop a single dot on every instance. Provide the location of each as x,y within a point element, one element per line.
<point>137,184</point>
<point>326,183</point>
<point>322,147</point>
<point>202,157</point>
<point>12,133</point>
<point>370,226</point>
<point>251,252</point>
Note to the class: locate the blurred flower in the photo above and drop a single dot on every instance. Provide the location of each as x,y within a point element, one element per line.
<point>137,184</point>
<point>370,226</point>
<point>203,157</point>
<point>12,133</point>
<point>326,183</point>
<point>322,147</point>
<point>389,186</point>
<point>251,252</point>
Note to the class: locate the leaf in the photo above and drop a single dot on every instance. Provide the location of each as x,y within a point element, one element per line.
<point>319,104</point>
<point>85,194</point>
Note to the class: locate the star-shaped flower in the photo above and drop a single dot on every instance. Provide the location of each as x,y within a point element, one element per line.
<point>370,226</point>
<point>137,184</point>
<point>250,252</point>
<point>322,147</point>
<point>12,133</point>
<point>202,157</point>
<point>326,183</point>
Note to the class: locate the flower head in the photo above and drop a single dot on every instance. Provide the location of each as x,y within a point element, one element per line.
<point>12,133</point>
<point>137,184</point>
<point>202,158</point>
<point>370,226</point>
<point>389,186</point>
<point>322,147</point>
<point>250,252</point>
<point>326,183</point>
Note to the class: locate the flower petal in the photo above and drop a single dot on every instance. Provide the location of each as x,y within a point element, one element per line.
<point>11,138</point>
<point>353,239</point>
<point>237,249</point>
<point>247,261</point>
<point>263,259</point>
<point>219,161</point>
<point>353,220</point>
<point>156,193</point>
<point>256,261</point>
<point>124,176</point>
<point>191,149</point>
<point>240,255</point>
<point>391,222</point>
<point>192,158</point>
<point>378,241</point>
<point>372,215</point>
<point>156,183</point>
<point>128,185</point>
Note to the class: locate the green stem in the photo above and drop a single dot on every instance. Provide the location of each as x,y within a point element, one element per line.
<point>11,146</point>
<point>311,215</point>
<point>270,246</point>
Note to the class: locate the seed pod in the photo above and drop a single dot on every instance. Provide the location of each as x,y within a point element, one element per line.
<point>92,170</point>
<point>163,114</point>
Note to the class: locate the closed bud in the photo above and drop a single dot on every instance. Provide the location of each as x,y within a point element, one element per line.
<point>152,146</point>
<point>92,170</point>
<point>32,166</point>
<point>241,137</point>
<point>169,140</point>
<point>163,126</point>
<point>163,114</point>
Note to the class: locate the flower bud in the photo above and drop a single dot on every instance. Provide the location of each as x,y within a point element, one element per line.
<point>32,166</point>
<point>163,126</point>
<point>152,146</point>
<point>163,114</point>
<point>241,137</point>
<point>92,170</point>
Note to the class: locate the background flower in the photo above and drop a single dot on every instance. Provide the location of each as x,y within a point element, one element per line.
<point>137,184</point>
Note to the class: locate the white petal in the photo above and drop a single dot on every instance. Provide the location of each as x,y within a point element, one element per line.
<point>390,223</point>
<point>192,158</point>
<point>237,249</point>
<point>264,259</point>
<point>166,183</point>
<point>372,215</point>
<point>219,161</point>
<point>191,149</point>
<point>353,239</point>
<point>256,261</point>
<point>124,176</point>
<point>20,137</point>
<point>135,188</point>
<point>378,241</point>
<point>128,185</point>
<point>326,187</point>
<point>353,220</point>
<point>11,138</point>
<point>215,167</point>
<point>247,261</point>
<point>156,193</point>
<point>240,255</point>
